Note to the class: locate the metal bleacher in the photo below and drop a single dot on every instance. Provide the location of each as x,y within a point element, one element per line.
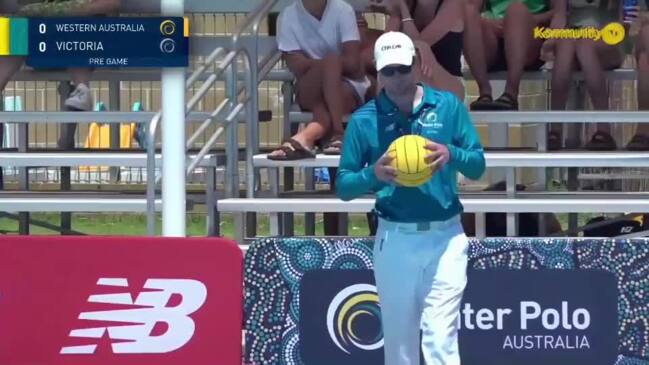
<point>282,205</point>
<point>218,63</point>
<point>510,202</point>
<point>218,56</point>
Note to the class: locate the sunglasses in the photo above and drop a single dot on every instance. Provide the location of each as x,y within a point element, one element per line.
<point>391,70</point>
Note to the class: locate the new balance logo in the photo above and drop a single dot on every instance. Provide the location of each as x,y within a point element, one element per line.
<point>132,333</point>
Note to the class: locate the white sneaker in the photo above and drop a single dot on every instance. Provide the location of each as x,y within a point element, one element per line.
<point>80,99</point>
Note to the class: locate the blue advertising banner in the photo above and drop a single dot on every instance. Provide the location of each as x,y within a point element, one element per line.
<point>538,284</point>
<point>340,318</point>
<point>108,42</point>
<point>561,317</point>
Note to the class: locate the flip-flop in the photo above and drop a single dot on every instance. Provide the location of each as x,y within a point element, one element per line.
<point>334,147</point>
<point>601,141</point>
<point>505,102</point>
<point>293,151</point>
<point>483,102</point>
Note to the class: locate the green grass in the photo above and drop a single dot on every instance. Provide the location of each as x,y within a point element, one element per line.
<point>135,224</point>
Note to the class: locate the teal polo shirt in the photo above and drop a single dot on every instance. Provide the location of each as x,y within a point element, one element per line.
<point>440,117</point>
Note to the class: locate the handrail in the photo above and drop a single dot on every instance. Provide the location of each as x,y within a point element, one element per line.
<point>206,148</point>
<point>206,123</point>
<point>252,128</point>
<point>254,19</point>
<point>152,179</point>
<point>153,126</point>
<point>208,61</point>
<point>232,117</point>
<point>251,84</point>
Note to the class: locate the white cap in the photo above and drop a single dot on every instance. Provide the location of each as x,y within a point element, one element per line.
<point>393,48</point>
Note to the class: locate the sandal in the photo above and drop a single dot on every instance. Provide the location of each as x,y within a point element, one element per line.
<point>505,102</point>
<point>333,147</point>
<point>601,141</point>
<point>483,102</point>
<point>293,151</point>
<point>639,142</point>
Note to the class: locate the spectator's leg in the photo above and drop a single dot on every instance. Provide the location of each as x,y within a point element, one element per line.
<point>594,58</point>
<point>332,84</point>
<point>480,46</point>
<point>521,49</point>
<point>564,66</point>
<point>309,97</point>
<point>80,99</point>
<point>67,130</point>
<point>640,141</point>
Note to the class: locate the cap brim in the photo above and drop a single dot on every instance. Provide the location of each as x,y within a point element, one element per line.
<point>394,59</point>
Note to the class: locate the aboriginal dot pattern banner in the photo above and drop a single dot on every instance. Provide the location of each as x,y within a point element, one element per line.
<point>275,266</point>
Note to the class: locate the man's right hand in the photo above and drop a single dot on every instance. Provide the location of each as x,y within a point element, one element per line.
<point>384,171</point>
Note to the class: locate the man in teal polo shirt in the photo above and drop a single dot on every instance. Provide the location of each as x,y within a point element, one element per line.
<point>420,251</point>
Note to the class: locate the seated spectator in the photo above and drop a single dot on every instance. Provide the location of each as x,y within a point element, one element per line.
<point>590,56</point>
<point>368,38</point>
<point>81,97</point>
<point>502,38</point>
<point>437,31</point>
<point>321,45</point>
<point>640,141</point>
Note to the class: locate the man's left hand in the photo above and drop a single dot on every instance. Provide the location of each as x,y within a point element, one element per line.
<point>438,156</point>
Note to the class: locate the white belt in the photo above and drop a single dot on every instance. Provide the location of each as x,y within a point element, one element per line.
<point>419,226</point>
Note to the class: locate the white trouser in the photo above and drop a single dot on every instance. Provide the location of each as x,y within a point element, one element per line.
<point>420,272</point>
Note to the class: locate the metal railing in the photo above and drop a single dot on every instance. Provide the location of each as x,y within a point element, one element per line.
<point>232,102</point>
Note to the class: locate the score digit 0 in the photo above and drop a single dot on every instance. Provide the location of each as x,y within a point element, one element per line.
<point>42,47</point>
<point>42,28</point>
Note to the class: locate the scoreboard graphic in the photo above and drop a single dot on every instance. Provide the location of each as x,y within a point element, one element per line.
<point>97,41</point>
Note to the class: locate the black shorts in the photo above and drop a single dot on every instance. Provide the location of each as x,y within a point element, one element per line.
<point>448,52</point>
<point>501,61</point>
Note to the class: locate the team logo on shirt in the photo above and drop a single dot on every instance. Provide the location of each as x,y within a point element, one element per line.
<point>429,120</point>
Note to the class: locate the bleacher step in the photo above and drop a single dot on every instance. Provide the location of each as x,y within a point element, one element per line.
<point>501,159</point>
